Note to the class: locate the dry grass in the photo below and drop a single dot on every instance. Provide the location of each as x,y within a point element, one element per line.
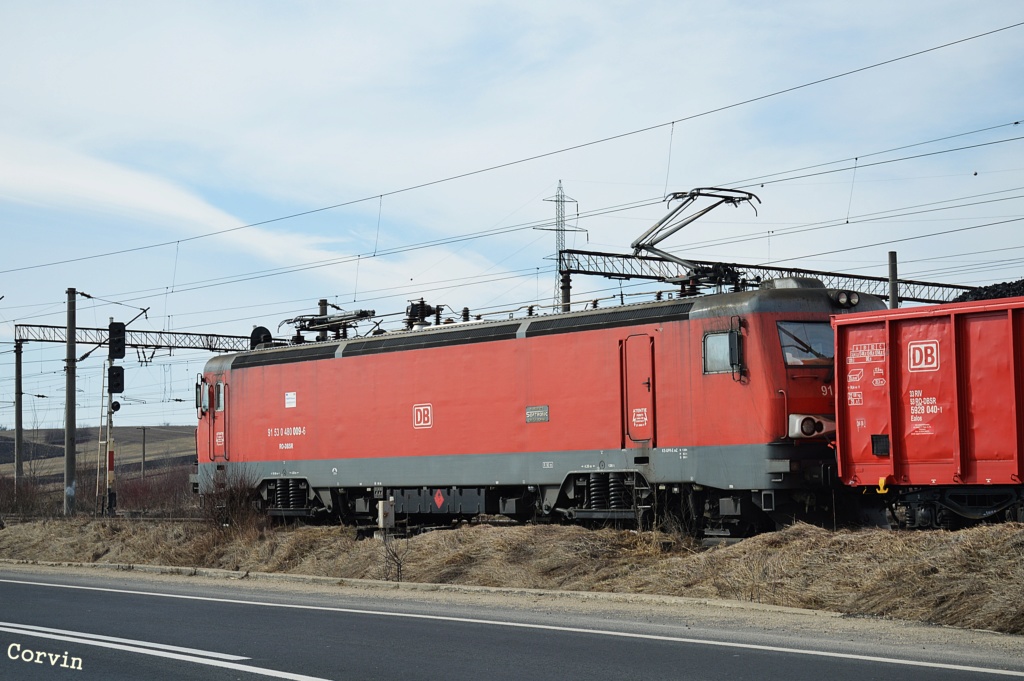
<point>163,493</point>
<point>972,578</point>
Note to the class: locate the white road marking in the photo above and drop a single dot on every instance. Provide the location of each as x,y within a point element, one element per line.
<point>156,650</point>
<point>28,629</point>
<point>550,627</point>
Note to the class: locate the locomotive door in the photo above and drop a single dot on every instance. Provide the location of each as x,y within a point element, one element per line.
<point>219,421</point>
<point>638,390</point>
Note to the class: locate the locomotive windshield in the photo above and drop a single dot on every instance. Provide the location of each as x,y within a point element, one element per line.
<point>806,343</point>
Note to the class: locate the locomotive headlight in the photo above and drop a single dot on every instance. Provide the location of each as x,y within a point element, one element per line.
<point>846,298</point>
<point>810,425</point>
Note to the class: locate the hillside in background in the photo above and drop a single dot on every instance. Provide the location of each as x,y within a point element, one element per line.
<point>44,449</point>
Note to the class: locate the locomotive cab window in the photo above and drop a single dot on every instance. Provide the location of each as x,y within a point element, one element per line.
<point>721,352</point>
<point>218,397</point>
<point>806,343</point>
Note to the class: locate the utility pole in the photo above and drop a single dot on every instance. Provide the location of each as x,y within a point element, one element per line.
<point>143,429</point>
<point>894,290</point>
<point>69,411</point>
<point>18,432</point>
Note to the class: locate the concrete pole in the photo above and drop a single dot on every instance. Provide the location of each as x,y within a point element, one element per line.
<point>101,443</point>
<point>143,452</point>
<point>69,410</point>
<point>894,287</point>
<point>19,436</point>
<point>111,493</point>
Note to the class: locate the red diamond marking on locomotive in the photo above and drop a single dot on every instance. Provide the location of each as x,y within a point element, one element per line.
<point>438,498</point>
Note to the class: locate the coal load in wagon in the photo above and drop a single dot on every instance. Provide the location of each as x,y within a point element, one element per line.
<point>1007,289</point>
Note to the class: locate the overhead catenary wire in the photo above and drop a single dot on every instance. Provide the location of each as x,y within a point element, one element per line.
<point>231,279</point>
<point>761,178</point>
<point>586,214</point>
<point>535,157</point>
<point>896,241</point>
<point>858,219</point>
<point>878,163</point>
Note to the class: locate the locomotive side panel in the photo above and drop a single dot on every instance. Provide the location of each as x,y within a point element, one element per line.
<point>732,406</point>
<point>544,394</point>
<point>274,413</point>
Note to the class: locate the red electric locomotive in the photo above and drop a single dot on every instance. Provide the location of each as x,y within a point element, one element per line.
<point>929,403</point>
<point>718,409</point>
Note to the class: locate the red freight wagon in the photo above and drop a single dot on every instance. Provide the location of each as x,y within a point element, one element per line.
<point>928,409</point>
<point>717,408</point>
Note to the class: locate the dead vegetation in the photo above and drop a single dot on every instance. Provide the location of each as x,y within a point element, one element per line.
<point>972,578</point>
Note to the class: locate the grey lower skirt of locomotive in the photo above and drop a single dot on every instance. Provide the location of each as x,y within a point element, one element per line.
<point>623,498</point>
<point>807,492</point>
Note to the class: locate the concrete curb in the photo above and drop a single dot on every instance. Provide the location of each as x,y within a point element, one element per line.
<point>376,585</point>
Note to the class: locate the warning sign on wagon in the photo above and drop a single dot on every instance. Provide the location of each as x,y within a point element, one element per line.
<point>866,353</point>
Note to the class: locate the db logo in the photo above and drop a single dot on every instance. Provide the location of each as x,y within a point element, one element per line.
<point>923,355</point>
<point>422,416</point>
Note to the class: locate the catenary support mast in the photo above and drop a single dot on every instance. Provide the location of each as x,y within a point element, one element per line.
<point>69,410</point>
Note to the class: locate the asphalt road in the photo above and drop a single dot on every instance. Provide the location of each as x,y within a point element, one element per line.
<point>93,624</point>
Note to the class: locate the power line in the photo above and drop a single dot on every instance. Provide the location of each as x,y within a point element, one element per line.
<point>880,163</point>
<point>260,274</point>
<point>896,241</point>
<point>760,178</point>
<point>642,203</point>
<point>544,223</point>
<point>528,159</point>
<point>920,273</point>
<point>857,219</point>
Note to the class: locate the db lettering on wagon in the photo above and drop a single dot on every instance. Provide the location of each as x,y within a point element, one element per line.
<point>923,355</point>
<point>422,416</point>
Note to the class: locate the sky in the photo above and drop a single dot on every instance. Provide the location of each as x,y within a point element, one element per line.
<point>222,165</point>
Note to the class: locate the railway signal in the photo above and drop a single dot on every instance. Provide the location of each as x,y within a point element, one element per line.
<point>116,341</point>
<point>115,380</point>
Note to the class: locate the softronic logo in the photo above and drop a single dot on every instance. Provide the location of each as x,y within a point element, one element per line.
<point>923,355</point>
